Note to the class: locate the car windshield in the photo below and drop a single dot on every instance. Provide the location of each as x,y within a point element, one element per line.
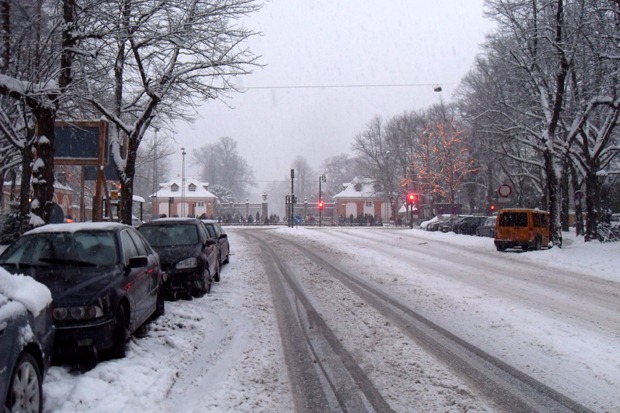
<point>82,248</point>
<point>170,235</point>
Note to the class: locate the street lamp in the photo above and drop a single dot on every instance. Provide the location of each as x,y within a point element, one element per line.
<point>321,179</point>
<point>183,183</point>
<point>154,201</point>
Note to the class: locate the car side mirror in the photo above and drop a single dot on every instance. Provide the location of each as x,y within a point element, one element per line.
<point>223,236</point>
<point>210,242</point>
<point>138,262</point>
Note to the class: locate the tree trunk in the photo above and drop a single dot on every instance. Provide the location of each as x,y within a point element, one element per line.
<point>592,202</point>
<point>564,202</point>
<point>43,166</point>
<point>553,188</point>
<point>24,189</point>
<point>578,201</point>
<point>126,178</point>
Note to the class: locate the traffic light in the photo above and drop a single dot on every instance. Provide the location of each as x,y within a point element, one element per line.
<point>411,199</point>
<point>492,207</point>
<point>320,204</point>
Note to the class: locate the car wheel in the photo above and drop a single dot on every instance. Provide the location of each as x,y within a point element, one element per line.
<point>538,244</point>
<point>216,277</point>
<point>227,260</point>
<point>203,284</point>
<point>25,393</point>
<point>501,248</point>
<point>119,339</point>
<point>208,282</point>
<point>160,307</point>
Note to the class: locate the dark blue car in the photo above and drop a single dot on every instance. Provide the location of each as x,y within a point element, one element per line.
<point>104,278</point>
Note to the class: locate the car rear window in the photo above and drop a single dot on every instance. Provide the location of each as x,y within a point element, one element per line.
<point>170,235</point>
<point>513,219</point>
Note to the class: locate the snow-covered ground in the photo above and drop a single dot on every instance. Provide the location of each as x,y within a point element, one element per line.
<point>222,352</point>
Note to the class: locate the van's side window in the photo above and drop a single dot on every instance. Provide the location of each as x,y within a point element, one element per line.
<point>540,220</point>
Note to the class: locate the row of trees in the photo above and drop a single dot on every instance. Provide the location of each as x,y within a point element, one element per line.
<point>229,175</point>
<point>135,63</point>
<point>545,98</point>
<point>538,111</point>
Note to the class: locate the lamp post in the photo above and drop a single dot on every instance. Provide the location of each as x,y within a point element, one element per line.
<point>154,202</point>
<point>183,183</point>
<point>321,179</point>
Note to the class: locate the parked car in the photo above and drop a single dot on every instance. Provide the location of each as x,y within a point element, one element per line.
<point>433,223</point>
<point>216,231</point>
<point>468,225</point>
<point>522,227</point>
<point>104,278</point>
<point>487,229</point>
<point>189,256</point>
<point>26,342</point>
<point>448,224</point>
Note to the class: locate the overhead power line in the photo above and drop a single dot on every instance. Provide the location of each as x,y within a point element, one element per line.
<point>364,85</point>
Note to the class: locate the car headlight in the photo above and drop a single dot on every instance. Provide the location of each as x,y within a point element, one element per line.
<point>88,312</point>
<point>187,263</point>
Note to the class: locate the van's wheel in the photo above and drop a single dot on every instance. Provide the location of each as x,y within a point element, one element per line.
<point>538,244</point>
<point>25,393</point>
<point>500,248</point>
<point>119,338</point>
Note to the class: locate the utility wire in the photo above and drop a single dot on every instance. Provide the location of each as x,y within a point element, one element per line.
<point>435,85</point>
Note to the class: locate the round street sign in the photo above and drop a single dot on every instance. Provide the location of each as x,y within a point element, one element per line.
<point>504,190</point>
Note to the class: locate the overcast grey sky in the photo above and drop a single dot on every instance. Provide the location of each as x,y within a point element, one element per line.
<point>325,43</point>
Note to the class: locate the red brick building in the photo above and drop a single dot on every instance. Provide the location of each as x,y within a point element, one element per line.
<point>361,197</point>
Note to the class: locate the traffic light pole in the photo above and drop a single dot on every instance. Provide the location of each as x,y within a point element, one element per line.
<point>321,179</point>
<point>292,219</point>
<point>411,203</point>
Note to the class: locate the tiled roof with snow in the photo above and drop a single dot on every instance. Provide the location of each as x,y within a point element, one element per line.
<point>200,191</point>
<point>359,188</point>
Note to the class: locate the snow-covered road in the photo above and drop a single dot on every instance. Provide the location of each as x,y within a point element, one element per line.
<point>554,315</point>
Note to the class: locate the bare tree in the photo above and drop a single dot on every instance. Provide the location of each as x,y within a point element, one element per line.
<point>306,183</point>
<point>553,106</point>
<point>37,49</point>
<point>165,56</point>
<point>222,165</point>
<point>338,170</point>
<point>376,157</point>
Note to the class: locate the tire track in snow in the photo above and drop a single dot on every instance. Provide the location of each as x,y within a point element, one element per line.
<point>510,388</point>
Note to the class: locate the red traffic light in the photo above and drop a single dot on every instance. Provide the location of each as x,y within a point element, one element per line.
<point>321,205</point>
<point>492,207</point>
<point>411,199</point>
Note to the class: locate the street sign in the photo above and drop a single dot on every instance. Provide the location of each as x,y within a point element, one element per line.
<point>504,190</point>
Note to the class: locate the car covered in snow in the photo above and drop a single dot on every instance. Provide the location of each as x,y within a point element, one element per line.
<point>189,256</point>
<point>487,229</point>
<point>433,223</point>
<point>26,342</point>
<point>104,278</point>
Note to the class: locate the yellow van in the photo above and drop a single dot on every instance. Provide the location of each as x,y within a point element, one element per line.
<point>522,227</point>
